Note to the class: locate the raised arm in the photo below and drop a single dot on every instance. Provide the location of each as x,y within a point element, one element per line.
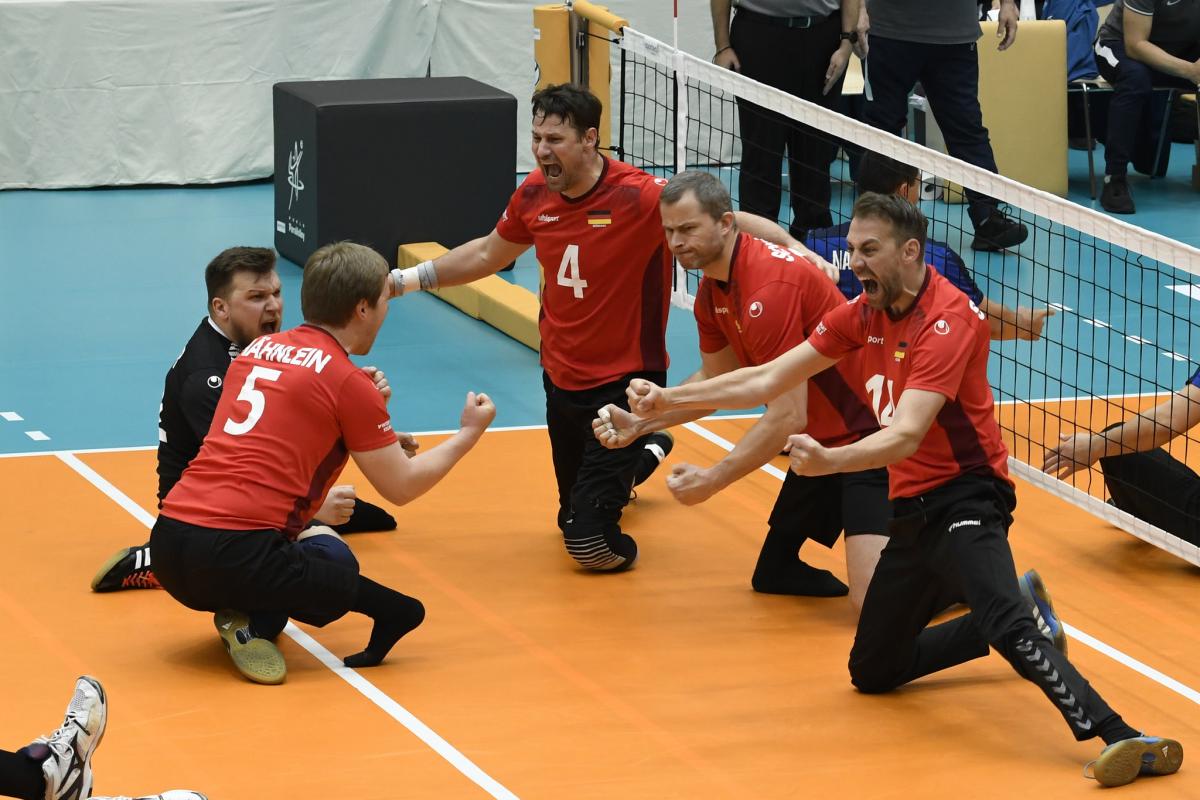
<point>743,388</point>
<point>402,479</point>
<point>915,413</point>
<point>468,262</point>
<point>786,414</point>
<point>615,427</point>
<point>1019,323</point>
<point>1146,431</point>
<point>769,231</point>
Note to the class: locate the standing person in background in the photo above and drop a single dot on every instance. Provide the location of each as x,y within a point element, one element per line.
<point>801,47</point>
<point>935,43</point>
<point>1142,44</point>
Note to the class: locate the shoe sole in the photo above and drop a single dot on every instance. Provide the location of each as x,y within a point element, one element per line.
<point>1124,761</point>
<point>258,659</point>
<point>107,568</point>
<point>1033,582</point>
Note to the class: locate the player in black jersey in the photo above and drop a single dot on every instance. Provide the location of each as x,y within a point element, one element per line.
<point>244,303</point>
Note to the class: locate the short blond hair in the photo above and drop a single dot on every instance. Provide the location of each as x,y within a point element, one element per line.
<point>336,277</point>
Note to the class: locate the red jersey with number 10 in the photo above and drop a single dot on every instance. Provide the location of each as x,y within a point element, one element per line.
<point>607,270</point>
<point>940,344</point>
<point>293,407</point>
<point>773,299</point>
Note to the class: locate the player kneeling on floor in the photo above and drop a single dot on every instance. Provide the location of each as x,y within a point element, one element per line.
<point>294,409</point>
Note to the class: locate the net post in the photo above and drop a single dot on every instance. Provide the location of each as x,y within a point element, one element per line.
<point>551,44</point>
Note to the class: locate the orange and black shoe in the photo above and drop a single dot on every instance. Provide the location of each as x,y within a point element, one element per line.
<point>126,569</point>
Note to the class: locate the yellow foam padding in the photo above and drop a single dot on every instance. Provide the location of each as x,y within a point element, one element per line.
<point>1023,94</point>
<point>510,309</point>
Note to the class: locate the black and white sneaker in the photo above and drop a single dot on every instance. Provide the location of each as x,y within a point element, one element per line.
<point>999,232</point>
<point>68,767</point>
<point>128,568</point>
<point>1116,197</point>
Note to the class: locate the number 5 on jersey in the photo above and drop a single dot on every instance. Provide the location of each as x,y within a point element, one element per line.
<point>568,271</point>
<point>253,396</point>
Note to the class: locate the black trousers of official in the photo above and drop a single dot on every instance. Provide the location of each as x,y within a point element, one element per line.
<point>1155,487</point>
<point>949,74</point>
<point>956,537</point>
<point>593,481</point>
<point>1136,112</point>
<point>794,60</point>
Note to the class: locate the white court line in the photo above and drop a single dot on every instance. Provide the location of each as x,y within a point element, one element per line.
<point>1091,641</point>
<point>11,416</point>
<point>364,686</point>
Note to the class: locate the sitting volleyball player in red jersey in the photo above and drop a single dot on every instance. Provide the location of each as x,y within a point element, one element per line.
<point>595,226</point>
<point>244,302</point>
<point>925,348</point>
<point>294,409</point>
<point>755,302</point>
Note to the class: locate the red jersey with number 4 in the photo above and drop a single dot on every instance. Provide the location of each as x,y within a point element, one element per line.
<point>607,270</point>
<point>939,345</point>
<point>774,298</point>
<point>292,408</point>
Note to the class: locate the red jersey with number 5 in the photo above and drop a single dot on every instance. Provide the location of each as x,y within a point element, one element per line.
<point>292,409</point>
<point>607,270</point>
<point>773,299</point>
<point>940,344</point>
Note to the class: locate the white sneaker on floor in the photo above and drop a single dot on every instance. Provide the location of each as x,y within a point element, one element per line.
<point>68,770</point>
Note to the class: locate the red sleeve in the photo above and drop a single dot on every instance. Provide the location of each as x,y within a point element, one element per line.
<point>511,225</point>
<point>776,321</point>
<point>712,339</point>
<point>940,355</point>
<point>840,331</point>
<point>362,415</point>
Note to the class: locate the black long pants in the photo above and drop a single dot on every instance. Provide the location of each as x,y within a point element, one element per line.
<point>956,538</point>
<point>21,776</point>
<point>950,75</point>
<point>593,481</point>
<point>794,60</point>
<point>207,569</point>
<point>1135,113</point>
<point>1155,487</point>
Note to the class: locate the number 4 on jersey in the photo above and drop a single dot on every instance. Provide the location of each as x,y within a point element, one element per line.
<point>256,399</point>
<point>568,271</point>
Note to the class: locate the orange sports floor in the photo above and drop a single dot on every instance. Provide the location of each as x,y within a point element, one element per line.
<point>673,680</point>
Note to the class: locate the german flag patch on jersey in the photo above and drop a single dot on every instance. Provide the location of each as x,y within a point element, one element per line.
<point>599,218</point>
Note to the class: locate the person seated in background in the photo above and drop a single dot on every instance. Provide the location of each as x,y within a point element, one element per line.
<point>883,175</point>
<point>1142,45</point>
<point>1141,477</point>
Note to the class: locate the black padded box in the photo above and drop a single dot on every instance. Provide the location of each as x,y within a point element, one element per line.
<point>388,161</point>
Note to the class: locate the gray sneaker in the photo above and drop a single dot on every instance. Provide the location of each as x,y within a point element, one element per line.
<point>1121,762</point>
<point>68,769</point>
<point>1037,600</point>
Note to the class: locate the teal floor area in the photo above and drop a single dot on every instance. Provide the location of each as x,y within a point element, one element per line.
<point>101,288</point>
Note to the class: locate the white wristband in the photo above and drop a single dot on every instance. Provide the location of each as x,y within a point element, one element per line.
<point>422,277</point>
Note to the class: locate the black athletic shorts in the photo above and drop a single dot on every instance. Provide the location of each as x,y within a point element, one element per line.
<point>209,569</point>
<point>822,507</point>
